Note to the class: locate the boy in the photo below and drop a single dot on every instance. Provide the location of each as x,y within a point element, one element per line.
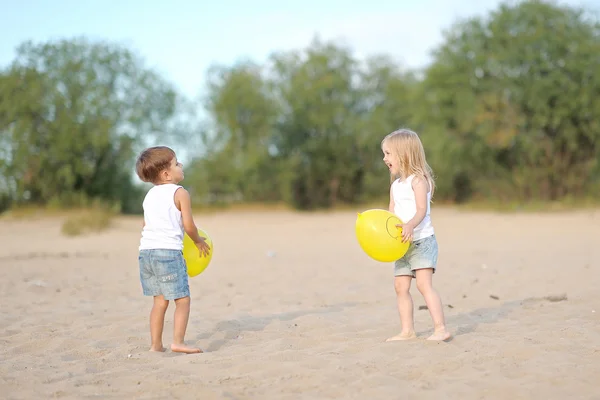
<point>163,272</point>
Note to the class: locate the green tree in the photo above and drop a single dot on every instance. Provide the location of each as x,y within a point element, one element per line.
<point>305,128</point>
<point>514,102</point>
<point>316,131</point>
<point>389,101</point>
<point>237,155</point>
<point>71,115</point>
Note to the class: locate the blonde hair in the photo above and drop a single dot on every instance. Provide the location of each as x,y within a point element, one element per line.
<point>406,146</point>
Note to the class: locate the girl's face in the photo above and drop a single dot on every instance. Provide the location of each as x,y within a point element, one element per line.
<point>389,160</point>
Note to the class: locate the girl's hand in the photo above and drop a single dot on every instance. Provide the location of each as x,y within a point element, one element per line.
<point>407,232</point>
<point>203,247</point>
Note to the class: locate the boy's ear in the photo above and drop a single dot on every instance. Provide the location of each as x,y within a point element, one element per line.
<point>164,174</point>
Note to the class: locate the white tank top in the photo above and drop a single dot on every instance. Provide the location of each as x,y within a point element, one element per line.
<point>163,224</point>
<point>405,207</point>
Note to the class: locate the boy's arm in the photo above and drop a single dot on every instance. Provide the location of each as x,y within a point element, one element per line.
<point>184,203</point>
<point>420,187</point>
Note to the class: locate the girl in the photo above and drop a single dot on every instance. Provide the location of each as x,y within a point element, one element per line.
<point>410,197</point>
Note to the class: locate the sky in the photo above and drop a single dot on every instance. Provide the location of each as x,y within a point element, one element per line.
<point>181,39</point>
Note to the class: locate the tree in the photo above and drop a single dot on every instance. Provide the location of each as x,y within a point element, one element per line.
<point>305,128</point>
<point>237,152</point>
<point>316,131</point>
<point>515,97</point>
<point>71,115</point>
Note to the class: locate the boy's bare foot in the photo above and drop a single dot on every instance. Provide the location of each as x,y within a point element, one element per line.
<point>440,335</point>
<point>182,348</point>
<point>158,349</point>
<point>402,336</point>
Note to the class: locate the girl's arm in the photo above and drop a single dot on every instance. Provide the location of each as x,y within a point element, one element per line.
<point>391,206</point>
<point>420,187</point>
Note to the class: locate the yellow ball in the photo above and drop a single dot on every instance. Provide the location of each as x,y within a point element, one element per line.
<point>196,263</point>
<point>378,235</point>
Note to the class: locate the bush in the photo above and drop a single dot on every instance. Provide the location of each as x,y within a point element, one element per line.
<point>96,219</point>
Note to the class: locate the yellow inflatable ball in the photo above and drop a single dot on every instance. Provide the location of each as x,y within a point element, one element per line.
<point>196,263</point>
<point>378,235</point>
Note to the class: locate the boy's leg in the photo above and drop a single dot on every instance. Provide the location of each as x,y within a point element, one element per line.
<point>172,278</point>
<point>157,322</point>
<point>405,308</point>
<point>180,292</point>
<point>151,287</point>
<point>434,303</point>
<point>182,315</point>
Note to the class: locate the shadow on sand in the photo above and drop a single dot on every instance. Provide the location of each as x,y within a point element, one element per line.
<point>255,323</point>
<point>468,322</point>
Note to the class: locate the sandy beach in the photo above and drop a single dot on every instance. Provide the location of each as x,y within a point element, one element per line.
<point>291,308</point>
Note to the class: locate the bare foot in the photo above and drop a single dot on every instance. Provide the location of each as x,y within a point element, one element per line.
<point>440,335</point>
<point>182,348</point>
<point>402,336</point>
<point>158,349</point>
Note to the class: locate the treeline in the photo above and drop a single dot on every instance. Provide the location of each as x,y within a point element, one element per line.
<point>509,110</point>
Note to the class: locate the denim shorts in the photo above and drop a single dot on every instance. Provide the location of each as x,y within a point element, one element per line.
<point>163,271</point>
<point>422,253</point>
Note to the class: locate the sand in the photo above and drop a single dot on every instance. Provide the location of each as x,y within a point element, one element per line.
<point>290,308</point>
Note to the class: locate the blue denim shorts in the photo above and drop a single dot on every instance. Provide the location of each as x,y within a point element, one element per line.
<point>163,271</point>
<point>422,253</point>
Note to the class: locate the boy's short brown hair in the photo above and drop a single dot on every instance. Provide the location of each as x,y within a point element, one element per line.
<point>152,161</point>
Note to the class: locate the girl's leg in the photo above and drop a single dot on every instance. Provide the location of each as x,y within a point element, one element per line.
<point>182,315</point>
<point>157,322</point>
<point>434,303</point>
<point>405,308</point>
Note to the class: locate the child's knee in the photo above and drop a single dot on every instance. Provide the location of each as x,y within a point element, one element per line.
<point>160,302</point>
<point>183,301</point>
<point>402,286</point>
<point>424,287</point>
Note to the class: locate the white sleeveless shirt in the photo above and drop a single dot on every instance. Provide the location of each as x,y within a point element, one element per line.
<point>163,224</point>
<point>405,207</point>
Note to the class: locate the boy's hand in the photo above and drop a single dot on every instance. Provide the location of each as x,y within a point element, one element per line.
<point>203,247</point>
<point>407,232</point>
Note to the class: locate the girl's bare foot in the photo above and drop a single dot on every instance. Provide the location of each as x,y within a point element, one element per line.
<point>158,349</point>
<point>402,336</point>
<point>440,335</point>
<point>182,348</point>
